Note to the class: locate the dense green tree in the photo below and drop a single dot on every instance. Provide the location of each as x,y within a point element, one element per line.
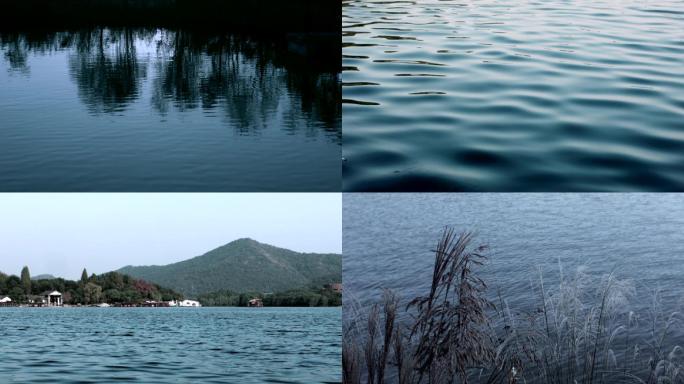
<point>110,287</point>
<point>17,294</point>
<point>92,293</point>
<point>3,282</point>
<point>26,280</point>
<point>84,277</point>
<point>291,298</point>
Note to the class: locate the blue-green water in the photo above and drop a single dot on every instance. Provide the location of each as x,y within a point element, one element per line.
<point>170,345</point>
<point>388,241</point>
<point>513,95</point>
<point>145,109</point>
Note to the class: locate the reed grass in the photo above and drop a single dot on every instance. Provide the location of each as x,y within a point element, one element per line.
<point>581,331</point>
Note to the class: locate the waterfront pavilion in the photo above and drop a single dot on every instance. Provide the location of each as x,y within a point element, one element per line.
<point>53,299</point>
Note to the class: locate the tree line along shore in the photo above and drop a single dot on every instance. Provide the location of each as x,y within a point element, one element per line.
<point>121,290</point>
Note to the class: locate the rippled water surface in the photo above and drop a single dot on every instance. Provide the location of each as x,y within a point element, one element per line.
<point>513,95</point>
<point>179,345</point>
<point>133,109</point>
<point>388,241</point>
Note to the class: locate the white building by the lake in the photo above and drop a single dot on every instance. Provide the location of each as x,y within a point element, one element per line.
<point>6,301</point>
<point>53,299</point>
<point>184,303</point>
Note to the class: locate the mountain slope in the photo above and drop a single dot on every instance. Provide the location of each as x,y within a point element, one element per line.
<point>244,265</point>
<point>45,276</point>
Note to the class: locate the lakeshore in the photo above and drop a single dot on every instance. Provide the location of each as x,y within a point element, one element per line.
<point>324,297</point>
<point>172,258</point>
<point>146,304</point>
<point>115,289</point>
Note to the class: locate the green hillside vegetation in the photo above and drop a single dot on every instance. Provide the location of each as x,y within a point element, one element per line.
<point>110,288</point>
<point>292,298</point>
<point>244,266</point>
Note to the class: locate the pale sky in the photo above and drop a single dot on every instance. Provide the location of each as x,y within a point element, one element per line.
<point>60,234</point>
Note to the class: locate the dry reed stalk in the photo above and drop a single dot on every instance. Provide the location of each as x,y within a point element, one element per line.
<point>571,338</point>
<point>451,324</point>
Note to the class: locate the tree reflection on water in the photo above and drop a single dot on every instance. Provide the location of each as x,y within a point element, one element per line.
<point>245,80</point>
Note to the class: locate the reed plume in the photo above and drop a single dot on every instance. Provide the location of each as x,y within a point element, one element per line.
<point>581,331</point>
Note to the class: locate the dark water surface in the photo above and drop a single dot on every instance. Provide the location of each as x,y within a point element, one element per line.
<point>144,109</point>
<point>513,95</point>
<point>388,239</point>
<point>163,345</point>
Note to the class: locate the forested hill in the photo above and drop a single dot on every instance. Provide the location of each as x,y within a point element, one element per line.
<point>244,265</point>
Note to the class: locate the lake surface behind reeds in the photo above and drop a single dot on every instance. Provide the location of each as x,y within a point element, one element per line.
<point>388,242</point>
<point>164,345</point>
<point>147,109</point>
<point>513,95</point>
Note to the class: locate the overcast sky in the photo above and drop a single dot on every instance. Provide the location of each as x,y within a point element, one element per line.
<point>60,234</point>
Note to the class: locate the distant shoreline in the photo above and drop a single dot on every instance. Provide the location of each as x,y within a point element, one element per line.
<point>128,307</point>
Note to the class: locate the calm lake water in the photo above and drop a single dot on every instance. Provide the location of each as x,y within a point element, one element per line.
<point>134,109</point>
<point>179,345</point>
<point>388,241</point>
<point>513,95</point>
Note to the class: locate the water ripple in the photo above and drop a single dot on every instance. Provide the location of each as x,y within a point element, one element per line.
<point>208,345</point>
<point>509,96</point>
<point>634,236</point>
